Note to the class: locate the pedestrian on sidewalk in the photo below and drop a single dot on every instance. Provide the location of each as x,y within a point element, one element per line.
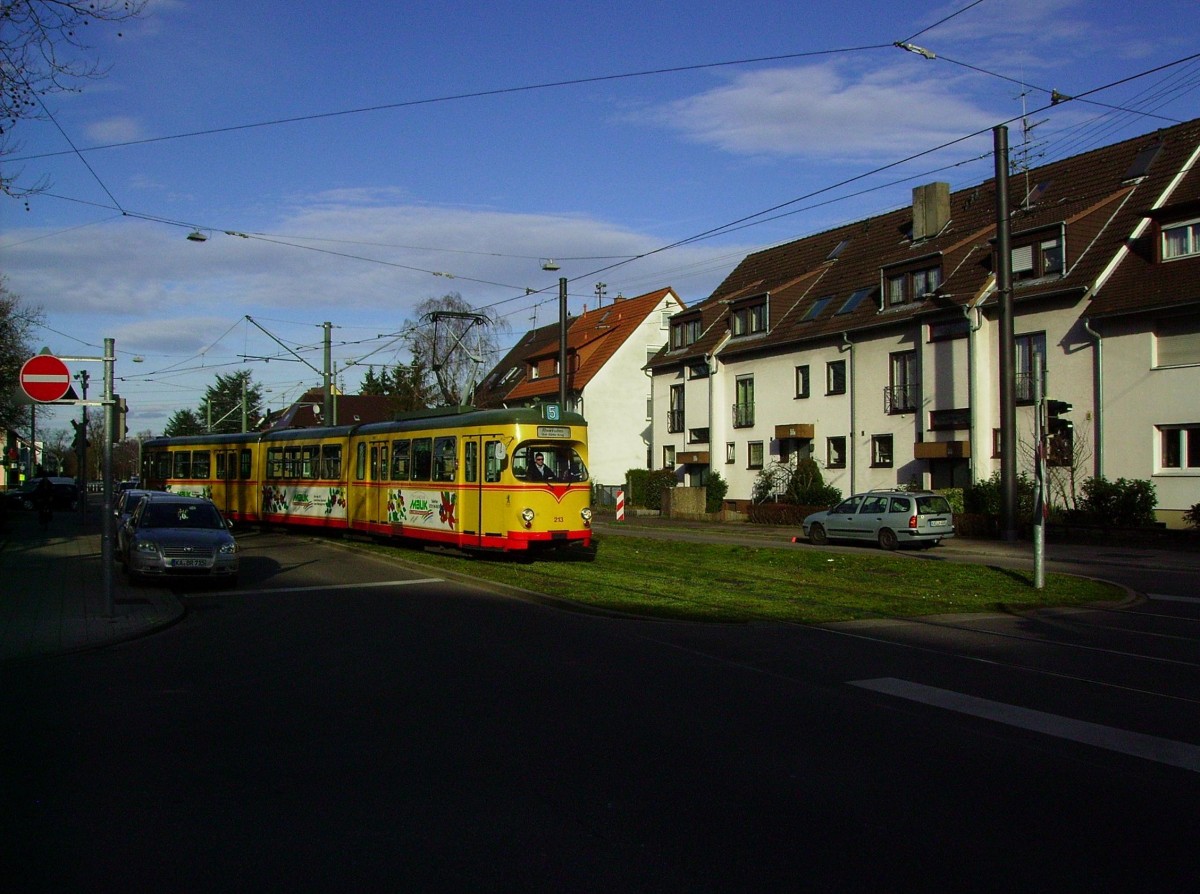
<point>43,500</point>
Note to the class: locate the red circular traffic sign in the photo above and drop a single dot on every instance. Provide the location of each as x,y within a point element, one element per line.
<point>45,378</point>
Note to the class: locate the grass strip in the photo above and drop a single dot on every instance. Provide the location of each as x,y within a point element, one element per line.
<point>738,583</point>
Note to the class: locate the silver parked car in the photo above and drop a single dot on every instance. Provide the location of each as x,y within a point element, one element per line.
<point>890,518</point>
<point>170,535</point>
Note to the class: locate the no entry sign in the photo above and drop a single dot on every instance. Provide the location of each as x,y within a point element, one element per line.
<point>45,378</point>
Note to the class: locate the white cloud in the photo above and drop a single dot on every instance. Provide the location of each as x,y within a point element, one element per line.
<point>831,111</point>
<point>117,129</point>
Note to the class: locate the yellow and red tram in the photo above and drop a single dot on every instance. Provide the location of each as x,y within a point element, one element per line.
<point>511,480</point>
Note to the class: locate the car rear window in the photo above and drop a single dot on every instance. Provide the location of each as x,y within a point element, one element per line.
<point>933,505</point>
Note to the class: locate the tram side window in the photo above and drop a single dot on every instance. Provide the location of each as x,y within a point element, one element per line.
<point>471,461</point>
<point>445,458</point>
<point>422,459</point>
<point>310,460</point>
<point>291,462</point>
<point>331,459</point>
<point>493,459</point>
<point>182,467</point>
<point>221,476</point>
<point>201,463</point>
<point>400,451</point>
<point>162,465</point>
<point>244,469</point>
<point>274,463</point>
<point>360,462</point>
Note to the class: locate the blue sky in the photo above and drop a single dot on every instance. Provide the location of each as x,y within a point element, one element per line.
<point>377,159</point>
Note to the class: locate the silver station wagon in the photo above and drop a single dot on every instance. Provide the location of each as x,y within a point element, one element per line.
<point>890,518</point>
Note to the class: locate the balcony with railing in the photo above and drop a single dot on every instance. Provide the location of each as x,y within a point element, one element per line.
<point>901,398</point>
<point>743,415</point>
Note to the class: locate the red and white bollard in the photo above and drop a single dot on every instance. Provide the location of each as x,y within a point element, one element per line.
<point>620,505</point>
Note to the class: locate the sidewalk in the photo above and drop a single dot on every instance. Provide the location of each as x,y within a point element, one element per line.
<point>52,597</point>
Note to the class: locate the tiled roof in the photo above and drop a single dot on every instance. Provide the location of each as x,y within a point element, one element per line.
<point>1091,197</point>
<point>594,337</point>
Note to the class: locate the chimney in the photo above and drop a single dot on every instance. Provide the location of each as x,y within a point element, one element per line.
<point>931,209</point>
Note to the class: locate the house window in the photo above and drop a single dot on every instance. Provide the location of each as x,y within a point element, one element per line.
<point>1181,240</point>
<point>802,381</point>
<point>944,330</point>
<point>1026,348</point>
<point>1177,341</point>
<point>534,372</point>
<point>684,332</point>
<point>950,420</point>
<point>1037,255</point>
<point>835,453</point>
<point>697,435</point>
<point>675,414</point>
<point>902,394</point>
<point>881,451</point>
<point>835,377</point>
<point>814,309</point>
<point>1179,447</point>
<point>730,452</point>
<point>913,284</point>
<point>669,457</point>
<point>996,442</point>
<point>754,455</point>
<point>743,410</point>
<point>749,319</point>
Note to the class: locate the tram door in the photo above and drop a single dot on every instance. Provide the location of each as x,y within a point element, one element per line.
<point>227,472</point>
<point>483,504</point>
<point>378,500</point>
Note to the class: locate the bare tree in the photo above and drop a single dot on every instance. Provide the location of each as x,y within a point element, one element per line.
<point>453,341</point>
<point>43,50</point>
<point>17,324</point>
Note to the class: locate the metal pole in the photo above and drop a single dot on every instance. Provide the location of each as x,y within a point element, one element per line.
<point>562,343</point>
<point>1008,385</point>
<point>1039,454</point>
<point>327,402</point>
<point>106,516</point>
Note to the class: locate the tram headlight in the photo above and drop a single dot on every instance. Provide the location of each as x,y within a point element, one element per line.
<point>527,517</point>
<point>586,514</point>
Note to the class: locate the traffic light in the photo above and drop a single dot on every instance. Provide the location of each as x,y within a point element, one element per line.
<point>119,410</point>
<point>1056,425</point>
<point>80,441</point>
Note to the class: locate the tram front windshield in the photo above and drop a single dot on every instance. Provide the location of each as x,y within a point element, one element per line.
<point>547,462</point>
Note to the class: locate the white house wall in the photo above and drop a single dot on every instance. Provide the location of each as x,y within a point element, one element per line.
<point>1138,397</point>
<point>614,401</point>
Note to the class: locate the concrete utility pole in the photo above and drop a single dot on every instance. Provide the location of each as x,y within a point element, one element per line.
<point>1008,384</point>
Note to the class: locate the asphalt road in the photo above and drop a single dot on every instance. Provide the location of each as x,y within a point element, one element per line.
<point>345,723</point>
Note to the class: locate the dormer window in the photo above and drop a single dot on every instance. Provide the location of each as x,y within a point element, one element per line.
<point>684,332</point>
<point>749,318</point>
<point>1037,255</point>
<point>1181,240</point>
<point>910,283</point>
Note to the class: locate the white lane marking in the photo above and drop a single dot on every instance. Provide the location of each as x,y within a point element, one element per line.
<point>1163,597</point>
<point>364,586</point>
<point>1164,751</point>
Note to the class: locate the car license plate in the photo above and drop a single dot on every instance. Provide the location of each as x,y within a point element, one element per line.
<point>189,563</point>
<point>937,523</point>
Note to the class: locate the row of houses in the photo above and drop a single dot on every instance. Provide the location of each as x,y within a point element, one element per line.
<point>874,347</point>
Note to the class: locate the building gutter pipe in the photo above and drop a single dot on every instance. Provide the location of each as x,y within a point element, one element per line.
<point>1098,363</point>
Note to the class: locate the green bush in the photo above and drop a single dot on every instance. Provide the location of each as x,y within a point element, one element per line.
<point>646,486</point>
<point>987,497</point>
<point>804,485</point>
<point>1124,503</point>
<point>715,489</point>
<point>1192,516</point>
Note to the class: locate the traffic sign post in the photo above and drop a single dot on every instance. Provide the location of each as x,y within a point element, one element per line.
<point>45,378</point>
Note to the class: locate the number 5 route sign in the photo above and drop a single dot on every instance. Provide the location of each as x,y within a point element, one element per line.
<point>45,378</point>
